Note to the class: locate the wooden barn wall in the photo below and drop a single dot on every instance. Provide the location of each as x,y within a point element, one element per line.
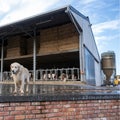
<point>28,45</point>
<point>52,40</point>
<point>13,47</point>
<point>58,39</point>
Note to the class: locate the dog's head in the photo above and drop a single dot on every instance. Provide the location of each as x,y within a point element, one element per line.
<point>15,67</point>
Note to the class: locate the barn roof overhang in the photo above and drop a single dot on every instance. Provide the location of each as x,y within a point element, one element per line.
<point>45,20</point>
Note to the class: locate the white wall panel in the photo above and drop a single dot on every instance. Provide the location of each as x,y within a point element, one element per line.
<point>88,38</point>
<point>89,42</point>
<point>98,77</point>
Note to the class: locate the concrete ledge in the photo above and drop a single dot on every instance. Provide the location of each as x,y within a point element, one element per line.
<point>44,92</point>
<point>58,97</point>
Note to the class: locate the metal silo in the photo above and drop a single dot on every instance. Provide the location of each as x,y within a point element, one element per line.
<point>108,65</point>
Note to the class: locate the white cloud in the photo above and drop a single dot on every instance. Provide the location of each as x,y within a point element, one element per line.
<point>5,5</point>
<point>87,1</point>
<point>109,25</point>
<point>102,39</point>
<point>25,9</point>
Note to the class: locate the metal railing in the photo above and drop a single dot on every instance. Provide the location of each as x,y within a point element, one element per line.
<point>63,74</point>
<point>6,76</point>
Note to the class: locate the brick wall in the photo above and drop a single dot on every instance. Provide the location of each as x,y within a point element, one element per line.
<point>61,110</point>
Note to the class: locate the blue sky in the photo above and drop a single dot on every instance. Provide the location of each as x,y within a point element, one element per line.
<point>104,16</point>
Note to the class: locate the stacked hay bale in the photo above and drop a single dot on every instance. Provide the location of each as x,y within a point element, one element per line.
<point>58,39</point>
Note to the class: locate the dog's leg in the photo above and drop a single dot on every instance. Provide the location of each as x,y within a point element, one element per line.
<point>27,84</point>
<point>15,90</point>
<point>22,84</point>
<point>15,83</point>
<point>22,87</point>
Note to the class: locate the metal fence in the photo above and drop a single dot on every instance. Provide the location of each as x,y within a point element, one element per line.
<point>63,74</point>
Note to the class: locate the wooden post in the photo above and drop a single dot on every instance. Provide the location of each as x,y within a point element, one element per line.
<point>2,49</point>
<point>34,56</point>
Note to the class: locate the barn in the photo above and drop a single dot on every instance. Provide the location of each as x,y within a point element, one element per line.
<point>58,41</point>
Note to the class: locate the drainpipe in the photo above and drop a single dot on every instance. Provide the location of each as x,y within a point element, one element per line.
<point>34,56</point>
<point>2,59</point>
<point>81,57</point>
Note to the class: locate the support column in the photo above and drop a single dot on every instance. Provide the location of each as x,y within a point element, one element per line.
<point>34,56</point>
<point>2,49</point>
<point>81,58</point>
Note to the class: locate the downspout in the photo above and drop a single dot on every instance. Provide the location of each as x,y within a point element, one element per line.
<point>82,73</point>
<point>2,49</point>
<point>34,56</point>
<point>80,44</point>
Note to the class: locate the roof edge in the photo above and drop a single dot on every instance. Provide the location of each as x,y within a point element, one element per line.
<point>78,13</point>
<point>66,7</point>
<point>36,15</point>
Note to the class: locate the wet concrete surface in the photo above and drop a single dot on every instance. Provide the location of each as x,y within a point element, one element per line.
<point>7,89</point>
<point>58,92</point>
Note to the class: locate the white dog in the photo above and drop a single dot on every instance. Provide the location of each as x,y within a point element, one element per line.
<point>19,75</point>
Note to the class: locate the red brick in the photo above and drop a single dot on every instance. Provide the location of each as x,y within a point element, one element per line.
<point>35,103</point>
<point>19,117</point>
<point>44,119</point>
<point>9,108</point>
<point>20,108</point>
<point>83,112</point>
<point>17,112</point>
<point>30,116</point>
<point>4,104</point>
<point>36,111</point>
<point>1,109</point>
<point>55,119</point>
<point>54,114</point>
<point>66,106</point>
<point>4,113</point>
<point>25,104</point>
<point>30,107</point>
<point>9,117</point>
<point>101,115</point>
<point>1,118</point>
<point>46,103</point>
<point>28,112</point>
<point>15,104</point>
<point>79,117</point>
<point>92,116</point>
<point>55,110</point>
<point>45,111</point>
<point>62,118</point>
<point>40,107</point>
<point>71,109</point>
<point>40,116</point>
<point>49,106</point>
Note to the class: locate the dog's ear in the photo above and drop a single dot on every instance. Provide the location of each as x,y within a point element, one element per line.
<point>19,69</point>
<point>10,66</point>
